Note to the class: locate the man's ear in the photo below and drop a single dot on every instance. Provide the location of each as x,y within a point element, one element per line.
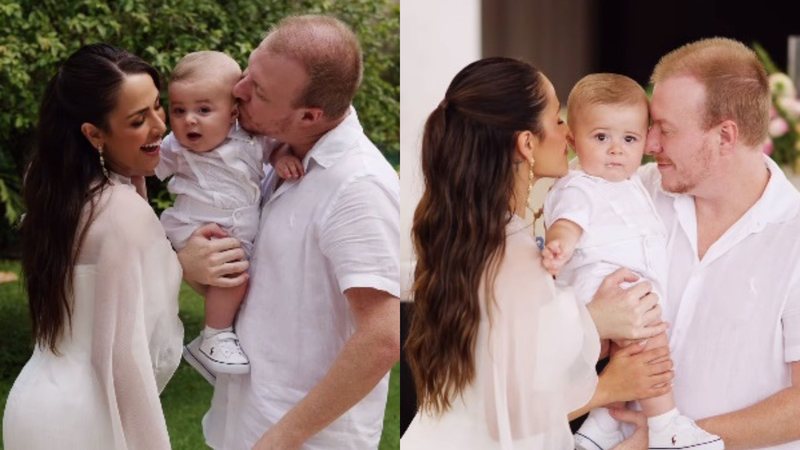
<point>728,136</point>
<point>526,142</point>
<point>93,135</point>
<point>311,115</point>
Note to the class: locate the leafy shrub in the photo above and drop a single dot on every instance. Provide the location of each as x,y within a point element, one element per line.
<point>38,34</point>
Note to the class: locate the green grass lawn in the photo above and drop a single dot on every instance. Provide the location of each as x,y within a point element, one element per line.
<point>186,397</point>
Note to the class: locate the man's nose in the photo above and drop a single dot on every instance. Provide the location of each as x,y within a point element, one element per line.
<point>653,144</point>
<point>240,91</point>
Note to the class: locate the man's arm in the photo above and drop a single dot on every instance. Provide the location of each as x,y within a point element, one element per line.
<point>772,421</point>
<point>367,355</point>
<point>211,258</point>
<point>631,313</point>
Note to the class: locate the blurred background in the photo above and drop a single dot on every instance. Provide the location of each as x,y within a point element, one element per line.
<point>36,35</point>
<point>568,39</point>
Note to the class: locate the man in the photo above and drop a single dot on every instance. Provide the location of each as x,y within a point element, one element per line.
<point>733,296</point>
<point>320,322</point>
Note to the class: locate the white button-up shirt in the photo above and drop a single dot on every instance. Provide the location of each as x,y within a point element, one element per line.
<point>335,228</point>
<point>735,314</point>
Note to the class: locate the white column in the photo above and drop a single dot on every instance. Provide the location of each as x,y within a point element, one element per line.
<point>438,38</point>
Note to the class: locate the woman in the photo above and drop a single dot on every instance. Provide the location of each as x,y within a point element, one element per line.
<point>500,358</point>
<point>101,276</point>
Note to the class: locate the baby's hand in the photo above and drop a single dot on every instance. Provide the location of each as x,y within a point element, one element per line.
<point>289,167</point>
<point>554,256</point>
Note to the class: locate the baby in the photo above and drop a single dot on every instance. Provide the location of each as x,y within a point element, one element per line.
<point>600,218</point>
<point>217,168</point>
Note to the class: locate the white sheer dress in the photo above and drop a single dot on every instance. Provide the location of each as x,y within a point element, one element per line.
<point>534,363</point>
<point>102,390</point>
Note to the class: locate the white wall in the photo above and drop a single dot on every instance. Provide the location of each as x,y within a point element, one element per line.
<point>437,39</point>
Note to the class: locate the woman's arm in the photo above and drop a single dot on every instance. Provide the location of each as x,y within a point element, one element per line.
<point>631,374</point>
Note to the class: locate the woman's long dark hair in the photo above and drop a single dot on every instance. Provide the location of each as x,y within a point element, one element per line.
<point>64,175</point>
<point>459,228</point>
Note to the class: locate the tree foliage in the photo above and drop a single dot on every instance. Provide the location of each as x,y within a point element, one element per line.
<point>37,35</point>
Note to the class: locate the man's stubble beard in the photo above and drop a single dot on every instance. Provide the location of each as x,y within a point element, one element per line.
<point>687,183</point>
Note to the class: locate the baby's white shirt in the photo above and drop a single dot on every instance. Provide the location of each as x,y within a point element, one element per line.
<point>621,228</point>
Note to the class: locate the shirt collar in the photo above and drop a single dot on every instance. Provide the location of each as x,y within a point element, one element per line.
<point>780,201</point>
<point>119,179</point>
<point>238,133</point>
<point>336,142</point>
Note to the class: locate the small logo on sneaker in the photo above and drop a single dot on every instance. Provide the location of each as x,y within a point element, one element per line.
<point>674,439</point>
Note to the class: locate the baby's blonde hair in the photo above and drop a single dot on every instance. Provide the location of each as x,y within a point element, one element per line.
<point>604,89</point>
<point>735,82</point>
<point>205,64</point>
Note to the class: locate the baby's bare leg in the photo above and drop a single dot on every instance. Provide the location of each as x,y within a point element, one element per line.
<point>657,405</point>
<point>222,305</point>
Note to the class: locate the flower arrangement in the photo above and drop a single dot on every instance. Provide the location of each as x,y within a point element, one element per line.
<point>783,140</point>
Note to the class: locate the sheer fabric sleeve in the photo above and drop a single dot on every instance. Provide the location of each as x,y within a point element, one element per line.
<point>137,335</point>
<point>542,349</point>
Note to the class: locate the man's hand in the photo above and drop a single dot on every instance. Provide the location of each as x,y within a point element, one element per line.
<point>212,258</point>
<point>555,255</point>
<point>272,440</point>
<point>640,438</point>
<point>631,313</point>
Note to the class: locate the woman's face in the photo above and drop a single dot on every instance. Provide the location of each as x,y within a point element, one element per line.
<point>131,146</point>
<point>550,153</point>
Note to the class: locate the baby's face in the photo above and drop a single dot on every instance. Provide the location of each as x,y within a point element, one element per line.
<point>610,139</point>
<point>201,113</point>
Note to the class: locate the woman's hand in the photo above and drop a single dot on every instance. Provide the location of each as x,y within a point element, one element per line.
<point>631,313</point>
<point>210,257</point>
<point>639,439</point>
<point>632,374</point>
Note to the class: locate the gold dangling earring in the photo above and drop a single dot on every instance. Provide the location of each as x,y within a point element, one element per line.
<point>102,161</point>
<point>536,213</point>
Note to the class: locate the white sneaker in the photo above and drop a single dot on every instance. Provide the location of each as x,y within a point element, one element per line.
<point>191,353</point>
<point>590,436</point>
<point>221,353</point>
<point>683,433</point>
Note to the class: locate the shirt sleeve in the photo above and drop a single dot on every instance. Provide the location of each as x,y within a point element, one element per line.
<point>137,335</point>
<point>168,163</point>
<point>360,235</point>
<point>571,203</point>
<point>790,320</point>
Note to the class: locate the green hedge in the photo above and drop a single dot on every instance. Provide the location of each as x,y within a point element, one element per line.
<point>35,36</point>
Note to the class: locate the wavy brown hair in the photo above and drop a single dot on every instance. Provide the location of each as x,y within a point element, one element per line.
<point>459,229</point>
<point>64,175</point>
